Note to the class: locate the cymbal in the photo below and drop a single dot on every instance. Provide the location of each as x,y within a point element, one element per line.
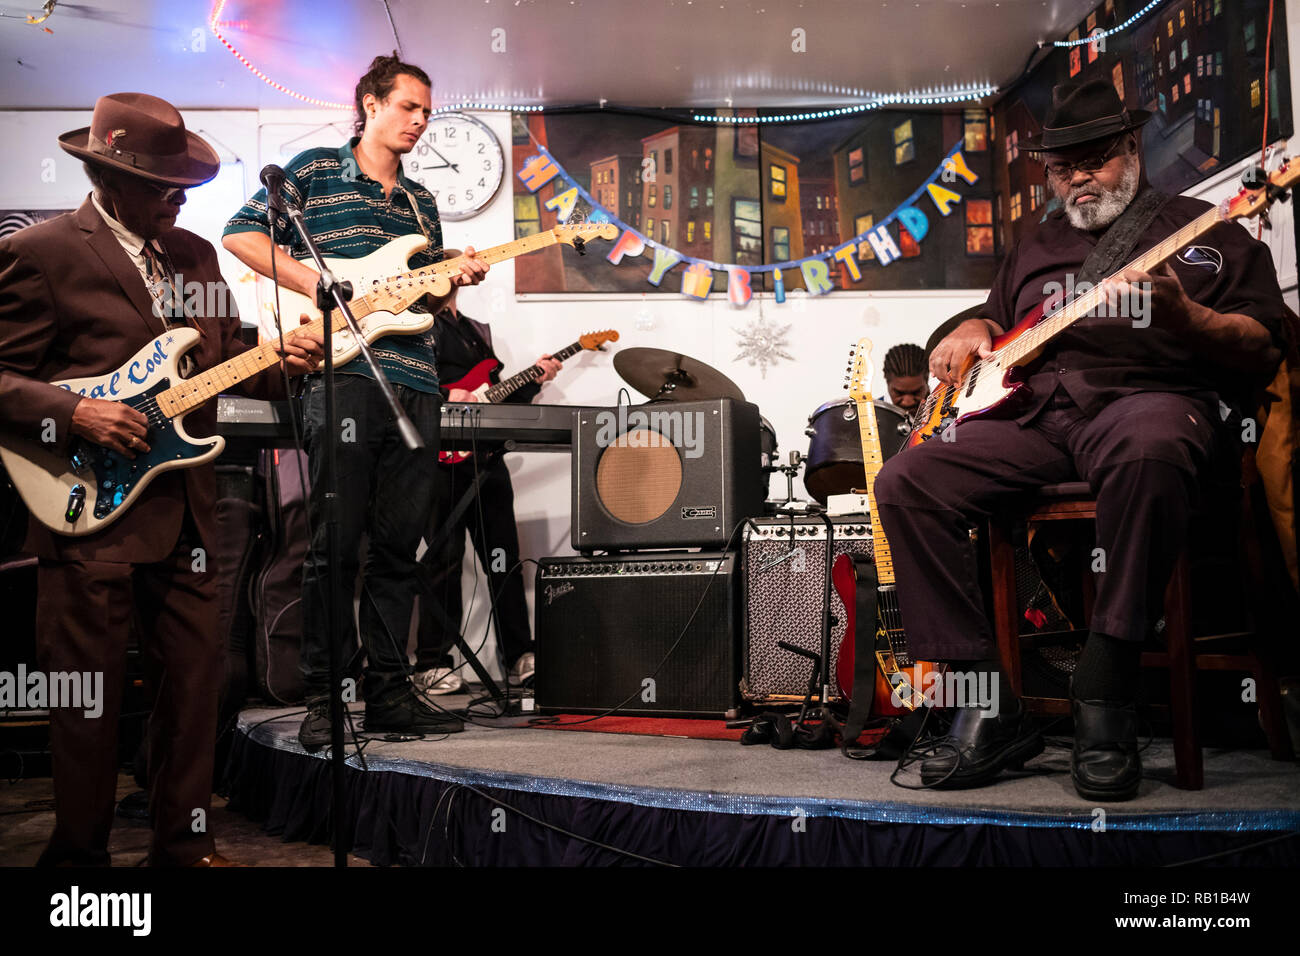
<point>661,374</point>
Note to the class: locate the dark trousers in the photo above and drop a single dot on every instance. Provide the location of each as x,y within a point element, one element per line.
<point>496,541</point>
<point>1143,456</point>
<point>385,492</point>
<point>83,613</point>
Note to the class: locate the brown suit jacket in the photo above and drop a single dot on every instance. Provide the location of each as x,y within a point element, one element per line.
<point>72,305</point>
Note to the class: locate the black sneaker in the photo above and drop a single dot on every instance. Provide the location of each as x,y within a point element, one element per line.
<point>315,730</point>
<point>406,713</point>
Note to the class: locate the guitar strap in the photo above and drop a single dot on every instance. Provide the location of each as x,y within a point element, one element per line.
<point>1118,242</point>
<point>864,657</point>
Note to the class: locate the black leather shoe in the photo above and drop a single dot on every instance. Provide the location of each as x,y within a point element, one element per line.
<point>1105,764</point>
<point>978,748</point>
<point>406,713</point>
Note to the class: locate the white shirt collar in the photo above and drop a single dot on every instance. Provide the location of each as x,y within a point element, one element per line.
<point>129,240</point>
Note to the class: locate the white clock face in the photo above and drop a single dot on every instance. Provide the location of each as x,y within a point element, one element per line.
<point>459,160</point>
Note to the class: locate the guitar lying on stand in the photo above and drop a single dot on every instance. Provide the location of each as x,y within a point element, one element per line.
<point>478,380</point>
<point>993,386</point>
<point>90,487</point>
<point>893,684</point>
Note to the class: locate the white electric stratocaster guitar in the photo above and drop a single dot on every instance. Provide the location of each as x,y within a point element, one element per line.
<point>384,286</point>
<point>91,486</point>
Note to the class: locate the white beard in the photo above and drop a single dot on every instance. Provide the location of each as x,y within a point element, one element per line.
<point>1108,205</point>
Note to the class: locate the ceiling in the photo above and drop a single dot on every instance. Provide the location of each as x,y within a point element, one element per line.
<point>646,53</point>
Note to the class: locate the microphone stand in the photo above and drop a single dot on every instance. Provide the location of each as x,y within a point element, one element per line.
<point>332,294</point>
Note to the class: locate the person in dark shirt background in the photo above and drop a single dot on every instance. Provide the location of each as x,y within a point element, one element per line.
<point>1133,404</point>
<point>461,344</point>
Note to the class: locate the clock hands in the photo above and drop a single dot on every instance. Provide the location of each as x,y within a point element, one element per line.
<point>445,163</point>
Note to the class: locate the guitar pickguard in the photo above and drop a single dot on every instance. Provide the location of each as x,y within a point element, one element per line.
<point>115,476</point>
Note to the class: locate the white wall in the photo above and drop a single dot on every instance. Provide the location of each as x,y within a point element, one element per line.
<point>42,176</point>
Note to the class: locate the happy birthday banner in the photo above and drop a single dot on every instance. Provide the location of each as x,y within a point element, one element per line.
<point>697,277</point>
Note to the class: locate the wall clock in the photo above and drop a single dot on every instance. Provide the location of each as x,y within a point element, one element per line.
<point>459,160</point>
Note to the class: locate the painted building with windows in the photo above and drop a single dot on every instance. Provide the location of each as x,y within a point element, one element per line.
<point>782,215</point>
<point>817,208</point>
<point>616,185</point>
<point>878,167</point>
<point>680,169</point>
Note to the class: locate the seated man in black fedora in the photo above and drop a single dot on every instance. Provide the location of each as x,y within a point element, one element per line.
<point>1131,401</point>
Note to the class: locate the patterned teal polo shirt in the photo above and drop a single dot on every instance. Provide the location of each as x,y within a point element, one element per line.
<point>348,215</point>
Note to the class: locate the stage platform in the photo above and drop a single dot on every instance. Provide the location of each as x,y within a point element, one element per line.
<point>502,793</point>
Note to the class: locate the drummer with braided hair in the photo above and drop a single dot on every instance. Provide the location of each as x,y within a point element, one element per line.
<point>907,377</point>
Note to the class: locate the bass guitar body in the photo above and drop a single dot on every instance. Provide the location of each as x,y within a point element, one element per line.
<point>986,388</point>
<point>91,486</point>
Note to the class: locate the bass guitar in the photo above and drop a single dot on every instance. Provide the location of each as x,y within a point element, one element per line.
<point>479,379</point>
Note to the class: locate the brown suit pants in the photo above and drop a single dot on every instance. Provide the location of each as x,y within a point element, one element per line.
<point>83,620</point>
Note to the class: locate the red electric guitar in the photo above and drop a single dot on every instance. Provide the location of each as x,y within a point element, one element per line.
<point>479,379</point>
<point>894,665</point>
<point>994,387</point>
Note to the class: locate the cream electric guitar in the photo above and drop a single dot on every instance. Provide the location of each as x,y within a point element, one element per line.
<point>384,286</point>
<point>994,386</point>
<point>89,487</point>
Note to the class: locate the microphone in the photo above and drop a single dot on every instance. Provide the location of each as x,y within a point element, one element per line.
<point>272,177</point>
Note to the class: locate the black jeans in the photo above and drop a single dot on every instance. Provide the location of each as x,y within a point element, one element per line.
<point>497,544</point>
<point>384,491</point>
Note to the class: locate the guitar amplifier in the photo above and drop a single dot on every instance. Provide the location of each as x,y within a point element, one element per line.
<point>784,566</point>
<point>661,629</point>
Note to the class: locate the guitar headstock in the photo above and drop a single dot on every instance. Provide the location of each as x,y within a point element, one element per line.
<point>594,340</point>
<point>857,379</point>
<point>1253,200</point>
<point>585,231</point>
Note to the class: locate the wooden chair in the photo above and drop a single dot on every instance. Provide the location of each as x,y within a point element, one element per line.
<point>1184,654</point>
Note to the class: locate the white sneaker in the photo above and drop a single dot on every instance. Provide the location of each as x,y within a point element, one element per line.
<point>523,669</point>
<point>438,680</point>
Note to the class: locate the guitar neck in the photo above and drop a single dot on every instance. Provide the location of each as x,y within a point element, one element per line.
<point>507,387</point>
<point>1028,344</point>
<point>192,392</point>
<point>872,459</point>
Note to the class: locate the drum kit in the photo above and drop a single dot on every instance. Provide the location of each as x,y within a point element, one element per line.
<point>833,464</point>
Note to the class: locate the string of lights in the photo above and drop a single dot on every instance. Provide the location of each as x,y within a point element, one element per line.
<point>955,95</point>
<point>1098,34</point>
<point>212,25</point>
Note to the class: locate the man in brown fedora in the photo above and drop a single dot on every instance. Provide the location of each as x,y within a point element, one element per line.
<point>79,296</point>
<point>1131,401</point>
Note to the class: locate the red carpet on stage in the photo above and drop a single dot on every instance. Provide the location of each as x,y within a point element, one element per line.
<point>689,727</point>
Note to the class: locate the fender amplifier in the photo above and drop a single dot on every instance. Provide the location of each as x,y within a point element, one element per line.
<point>650,634</point>
<point>784,585</point>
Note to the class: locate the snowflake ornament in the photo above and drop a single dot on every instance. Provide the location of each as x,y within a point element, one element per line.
<point>763,344</point>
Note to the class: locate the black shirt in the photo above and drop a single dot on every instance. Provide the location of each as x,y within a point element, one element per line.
<point>1099,359</point>
<point>461,344</point>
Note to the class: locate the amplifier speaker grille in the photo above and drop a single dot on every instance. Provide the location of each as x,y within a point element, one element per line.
<point>784,581</point>
<point>638,479</point>
<point>605,626</point>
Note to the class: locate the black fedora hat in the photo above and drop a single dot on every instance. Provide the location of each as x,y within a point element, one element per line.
<point>144,136</point>
<point>1081,113</point>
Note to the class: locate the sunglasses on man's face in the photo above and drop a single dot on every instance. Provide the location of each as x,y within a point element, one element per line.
<point>1089,164</point>
<point>164,192</point>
